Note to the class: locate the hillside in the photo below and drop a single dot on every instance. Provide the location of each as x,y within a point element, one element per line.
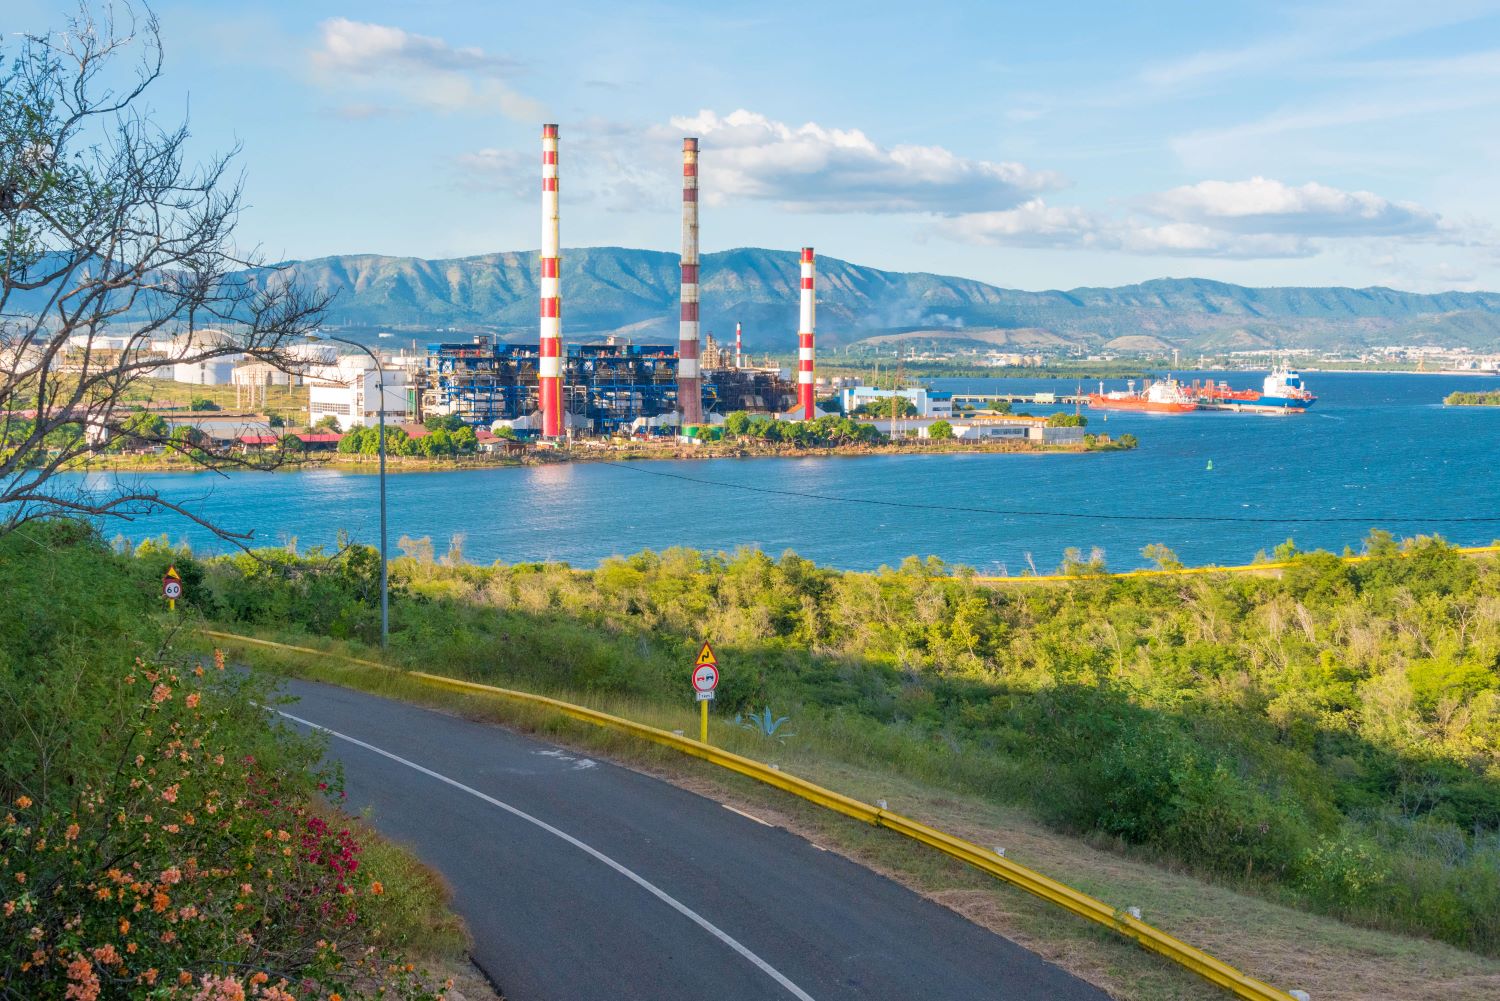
<point>634,292</point>
<point>608,289</point>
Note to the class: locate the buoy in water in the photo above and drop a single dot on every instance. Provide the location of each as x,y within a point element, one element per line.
<point>1210,465</point>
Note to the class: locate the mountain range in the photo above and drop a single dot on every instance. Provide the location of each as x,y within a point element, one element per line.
<point>615,290</point>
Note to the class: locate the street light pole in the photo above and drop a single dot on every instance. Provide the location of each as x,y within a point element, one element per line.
<point>385,614</point>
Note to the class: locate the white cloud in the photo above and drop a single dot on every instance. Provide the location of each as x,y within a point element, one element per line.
<point>1036,224</point>
<point>1264,205</point>
<point>811,168</point>
<point>1256,218</point>
<point>403,68</point>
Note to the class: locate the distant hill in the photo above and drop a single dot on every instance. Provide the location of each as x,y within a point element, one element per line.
<point>634,292</point>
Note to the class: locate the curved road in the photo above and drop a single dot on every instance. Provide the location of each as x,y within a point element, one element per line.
<point>581,880</point>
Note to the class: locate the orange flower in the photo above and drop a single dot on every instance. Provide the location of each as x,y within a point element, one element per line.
<point>376,888</point>
<point>193,700</point>
<point>160,694</point>
<point>71,834</point>
<point>24,802</point>
<point>170,792</point>
<point>124,926</point>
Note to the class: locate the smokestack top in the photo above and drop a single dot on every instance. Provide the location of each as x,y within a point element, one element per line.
<point>688,145</point>
<point>549,131</point>
<point>807,255</point>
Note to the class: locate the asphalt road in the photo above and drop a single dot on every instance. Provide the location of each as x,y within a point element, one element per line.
<point>581,880</point>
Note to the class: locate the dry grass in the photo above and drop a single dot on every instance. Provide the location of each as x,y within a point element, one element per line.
<point>1281,945</point>
<point>289,402</point>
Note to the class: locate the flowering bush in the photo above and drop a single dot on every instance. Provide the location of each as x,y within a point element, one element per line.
<point>188,867</point>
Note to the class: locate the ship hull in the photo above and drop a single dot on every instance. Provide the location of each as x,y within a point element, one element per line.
<point>1139,405</point>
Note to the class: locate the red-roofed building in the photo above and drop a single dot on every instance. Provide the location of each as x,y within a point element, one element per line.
<point>415,430</point>
<point>319,441</point>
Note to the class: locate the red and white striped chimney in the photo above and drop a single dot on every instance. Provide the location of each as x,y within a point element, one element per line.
<point>689,380</point>
<point>739,348</point>
<point>549,361</point>
<point>807,318</point>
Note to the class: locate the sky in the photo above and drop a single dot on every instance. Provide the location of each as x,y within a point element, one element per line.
<point>1027,145</point>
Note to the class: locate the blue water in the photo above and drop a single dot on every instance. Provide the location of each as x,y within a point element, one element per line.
<point>1378,448</point>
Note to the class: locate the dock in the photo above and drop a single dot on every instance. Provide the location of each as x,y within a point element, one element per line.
<point>1042,399</point>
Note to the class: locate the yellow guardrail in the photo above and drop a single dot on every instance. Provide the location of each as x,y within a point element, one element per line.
<point>1194,571</point>
<point>1213,970</point>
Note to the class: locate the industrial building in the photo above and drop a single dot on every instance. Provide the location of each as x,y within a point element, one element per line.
<point>604,387</point>
<point>926,402</point>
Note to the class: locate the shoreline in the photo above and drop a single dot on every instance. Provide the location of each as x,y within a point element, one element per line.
<point>631,453</point>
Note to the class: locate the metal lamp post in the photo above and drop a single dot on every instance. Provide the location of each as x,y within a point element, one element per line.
<point>385,618</point>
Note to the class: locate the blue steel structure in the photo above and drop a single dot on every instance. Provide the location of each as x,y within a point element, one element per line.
<point>607,385</point>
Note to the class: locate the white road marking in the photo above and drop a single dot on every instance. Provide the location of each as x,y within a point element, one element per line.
<point>747,816</point>
<point>640,881</point>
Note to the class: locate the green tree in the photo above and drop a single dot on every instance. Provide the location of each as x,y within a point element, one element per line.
<point>940,430</point>
<point>737,423</point>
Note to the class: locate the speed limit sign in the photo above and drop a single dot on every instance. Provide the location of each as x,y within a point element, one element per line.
<point>171,587</point>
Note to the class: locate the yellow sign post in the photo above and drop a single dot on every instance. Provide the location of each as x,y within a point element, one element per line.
<point>171,588</point>
<point>705,680</point>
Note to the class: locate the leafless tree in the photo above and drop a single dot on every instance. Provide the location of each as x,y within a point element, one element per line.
<point>117,258</point>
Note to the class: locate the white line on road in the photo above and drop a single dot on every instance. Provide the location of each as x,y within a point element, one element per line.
<point>747,816</point>
<point>640,881</point>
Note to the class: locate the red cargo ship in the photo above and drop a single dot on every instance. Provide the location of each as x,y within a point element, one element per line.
<point>1166,396</point>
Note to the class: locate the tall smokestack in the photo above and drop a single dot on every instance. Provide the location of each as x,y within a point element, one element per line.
<point>689,381</point>
<point>807,319</point>
<point>739,347</point>
<point>549,361</point>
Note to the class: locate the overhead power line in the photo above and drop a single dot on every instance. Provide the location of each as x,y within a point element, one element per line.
<point>1364,519</point>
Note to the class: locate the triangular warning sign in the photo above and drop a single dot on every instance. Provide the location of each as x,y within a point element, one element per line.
<point>705,656</point>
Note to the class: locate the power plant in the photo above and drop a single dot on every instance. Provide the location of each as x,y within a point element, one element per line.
<point>552,388</point>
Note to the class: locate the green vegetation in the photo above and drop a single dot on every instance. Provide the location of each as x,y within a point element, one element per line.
<point>1330,737</point>
<point>1103,442</point>
<point>158,836</point>
<point>940,430</point>
<point>441,442</point>
<point>824,432</point>
<point>894,407</point>
<point>1486,399</point>
<point>1066,420</point>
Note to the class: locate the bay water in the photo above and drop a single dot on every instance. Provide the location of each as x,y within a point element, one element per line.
<point>1378,449</point>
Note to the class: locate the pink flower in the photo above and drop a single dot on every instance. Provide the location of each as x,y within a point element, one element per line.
<point>170,792</point>
<point>160,694</point>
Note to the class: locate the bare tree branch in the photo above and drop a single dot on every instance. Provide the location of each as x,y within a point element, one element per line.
<point>117,260</point>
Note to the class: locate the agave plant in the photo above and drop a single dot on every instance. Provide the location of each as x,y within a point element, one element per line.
<point>765,723</point>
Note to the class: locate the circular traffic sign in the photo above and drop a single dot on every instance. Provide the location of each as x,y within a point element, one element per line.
<point>705,678</point>
<point>171,589</point>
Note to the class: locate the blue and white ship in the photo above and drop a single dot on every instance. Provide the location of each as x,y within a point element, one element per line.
<point>1284,391</point>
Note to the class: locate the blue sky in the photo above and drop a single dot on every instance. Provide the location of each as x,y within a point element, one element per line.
<point>1029,145</point>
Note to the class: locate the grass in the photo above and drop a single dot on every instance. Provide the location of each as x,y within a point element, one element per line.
<point>1276,943</point>
<point>289,402</point>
